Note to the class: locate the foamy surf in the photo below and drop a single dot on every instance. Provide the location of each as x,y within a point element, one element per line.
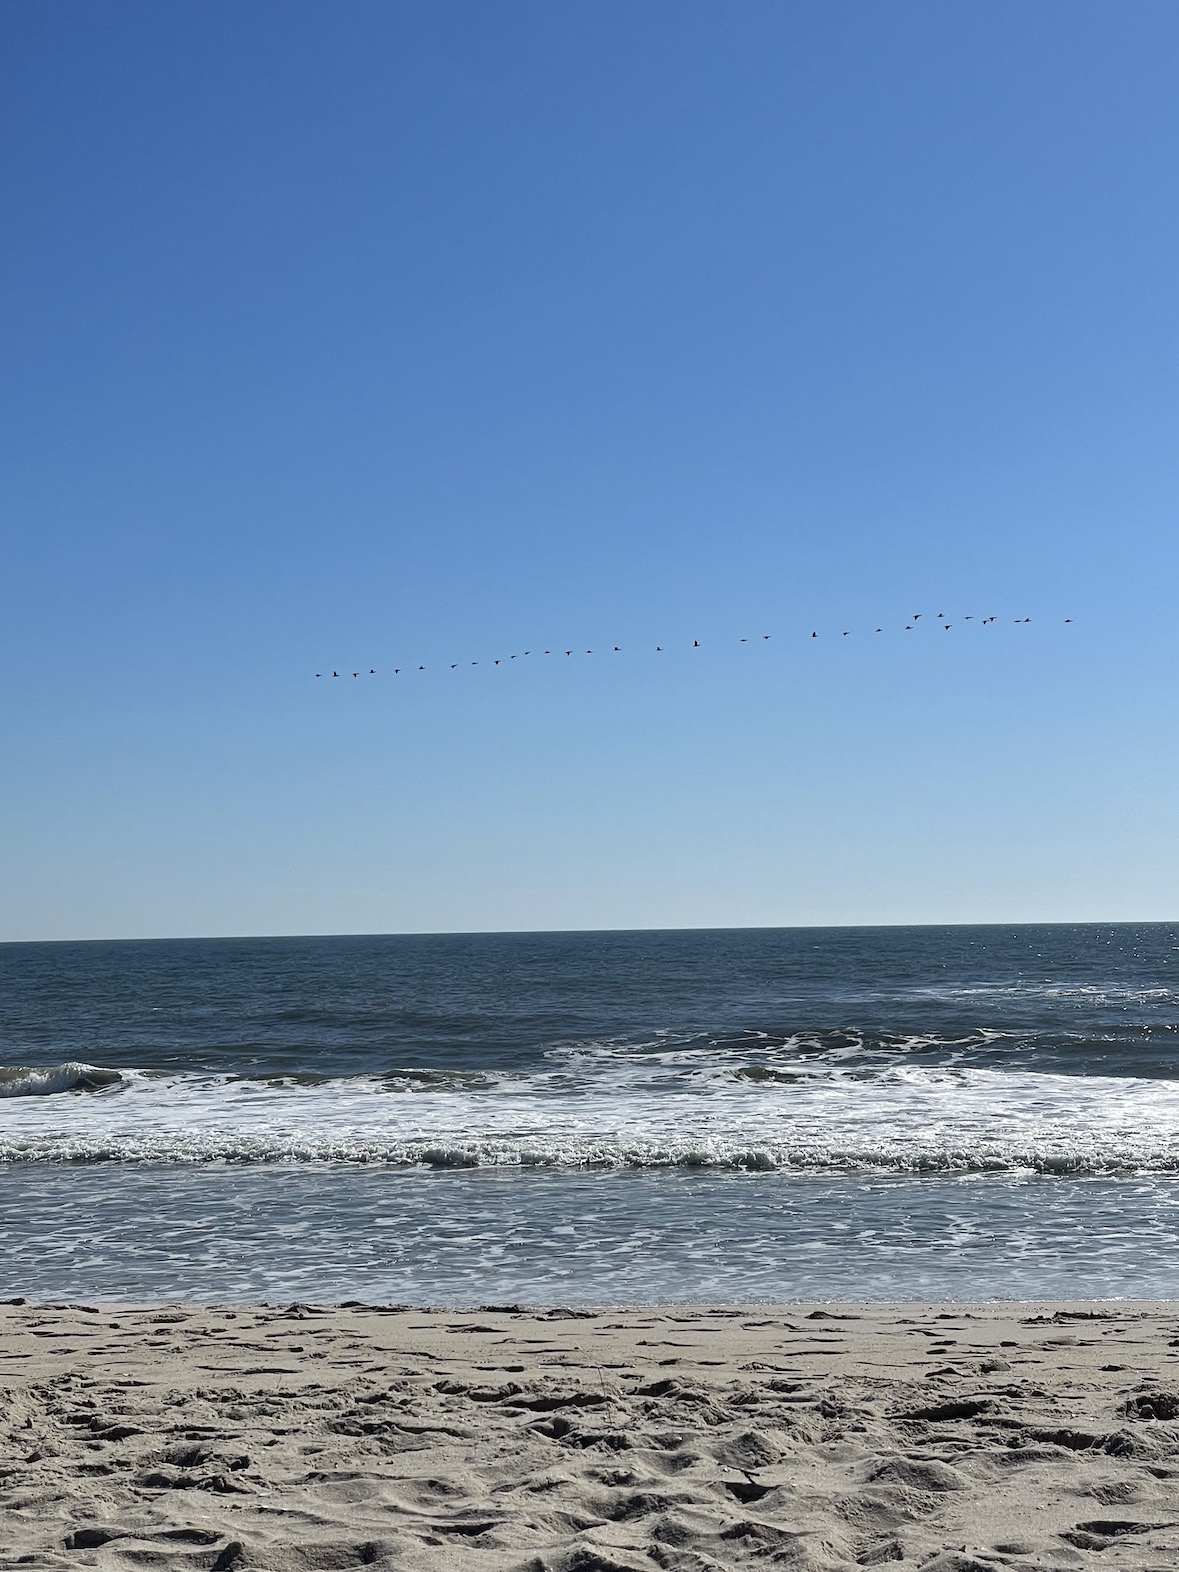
<point>902,1120</point>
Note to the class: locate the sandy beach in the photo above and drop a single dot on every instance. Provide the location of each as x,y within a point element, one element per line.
<point>954,1438</point>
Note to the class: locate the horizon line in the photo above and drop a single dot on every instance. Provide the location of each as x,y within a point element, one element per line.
<point>524,933</point>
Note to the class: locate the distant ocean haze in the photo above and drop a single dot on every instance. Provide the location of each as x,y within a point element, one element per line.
<point>683,1076</point>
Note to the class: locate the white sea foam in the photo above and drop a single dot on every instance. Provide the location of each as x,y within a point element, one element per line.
<point>904,1119</point>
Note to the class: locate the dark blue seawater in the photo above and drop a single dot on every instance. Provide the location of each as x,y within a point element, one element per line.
<point>739,1114</point>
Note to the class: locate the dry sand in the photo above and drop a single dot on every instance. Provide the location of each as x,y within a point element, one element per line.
<point>947,1437</point>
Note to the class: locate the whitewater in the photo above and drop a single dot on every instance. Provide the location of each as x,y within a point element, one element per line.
<point>906,1119</point>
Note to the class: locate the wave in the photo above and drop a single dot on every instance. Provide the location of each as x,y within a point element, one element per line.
<point>911,1118</point>
<point>717,1155</point>
<point>18,1080</point>
<point>659,1059</point>
<point>23,1080</point>
<point>385,1080</point>
<point>1022,990</point>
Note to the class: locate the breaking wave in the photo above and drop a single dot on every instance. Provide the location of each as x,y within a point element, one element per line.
<point>22,1080</point>
<point>718,1156</point>
<point>667,1112</point>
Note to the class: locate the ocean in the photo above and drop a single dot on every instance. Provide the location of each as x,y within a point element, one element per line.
<point>589,1118</point>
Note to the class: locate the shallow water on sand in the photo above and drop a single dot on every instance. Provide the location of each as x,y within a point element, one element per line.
<point>218,1234</point>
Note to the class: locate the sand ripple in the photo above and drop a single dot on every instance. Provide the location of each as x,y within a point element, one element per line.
<point>827,1439</point>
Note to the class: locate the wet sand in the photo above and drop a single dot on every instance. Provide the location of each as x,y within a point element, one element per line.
<point>309,1439</point>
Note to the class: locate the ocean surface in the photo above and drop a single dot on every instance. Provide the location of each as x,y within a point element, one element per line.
<point>891,1113</point>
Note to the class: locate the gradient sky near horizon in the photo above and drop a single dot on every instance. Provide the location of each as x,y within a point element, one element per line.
<point>370,333</point>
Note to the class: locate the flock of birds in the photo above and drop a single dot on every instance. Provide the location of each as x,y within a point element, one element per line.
<point>939,621</point>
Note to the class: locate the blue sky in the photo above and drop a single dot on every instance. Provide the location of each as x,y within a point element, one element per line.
<point>366,334</point>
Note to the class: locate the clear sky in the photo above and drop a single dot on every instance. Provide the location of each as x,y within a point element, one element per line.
<point>358,333</point>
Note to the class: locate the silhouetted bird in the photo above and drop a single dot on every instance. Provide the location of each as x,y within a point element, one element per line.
<point>421,668</point>
<point>767,635</point>
<point>845,633</point>
<point>880,630</point>
<point>617,650</point>
<point>814,635</point>
<point>695,644</point>
<point>356,674</point>
<point>372,671</point>
<point>335,673</point>
<point>1067,619</point>
<point>659,649</point>
<point>454,665</point>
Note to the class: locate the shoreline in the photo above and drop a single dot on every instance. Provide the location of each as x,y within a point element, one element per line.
<point>958,1437</point>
